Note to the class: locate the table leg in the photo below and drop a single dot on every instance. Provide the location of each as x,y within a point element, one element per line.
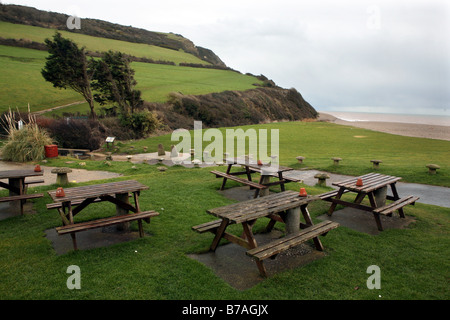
<point>16,184</point>
<point>123,197</point>
<point>359,197</point>
<point>224,178</point>
<point>264,180</point>
<point>333,204</point>
<point>249,234</point>
<point>396,197</point>
<point>376,216</point>
<point>72,235</point>
<point>249,174</point>
<point>309,222</point>
<point>280,177</point>
<point>219,234</point>
<point>252,244</point>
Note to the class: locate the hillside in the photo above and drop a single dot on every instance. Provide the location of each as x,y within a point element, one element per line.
<point>231,108</point>
<point>178,80</point>
<point>51,20</point>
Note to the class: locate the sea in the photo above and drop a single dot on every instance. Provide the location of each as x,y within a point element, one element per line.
<point>436,120</point>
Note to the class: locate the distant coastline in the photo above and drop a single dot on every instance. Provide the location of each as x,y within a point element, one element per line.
<point>419,130</point>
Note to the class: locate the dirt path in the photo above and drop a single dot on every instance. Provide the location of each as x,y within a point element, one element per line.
<point>58,107</point>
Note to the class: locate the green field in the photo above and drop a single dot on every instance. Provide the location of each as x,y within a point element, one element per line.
<point>38,34</point>
<point>320,141</point>
<point>21,82</point>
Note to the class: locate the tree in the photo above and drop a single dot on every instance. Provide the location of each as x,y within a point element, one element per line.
<point>68,67</point>
<point>114,80</point>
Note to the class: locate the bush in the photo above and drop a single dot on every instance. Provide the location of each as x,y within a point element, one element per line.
<point>26,144</point>
<point>115,129</point>
<point>142,123</point>
<point>78,134</point>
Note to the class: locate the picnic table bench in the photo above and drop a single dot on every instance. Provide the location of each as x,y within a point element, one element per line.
<point>282,207</point>
<point>374,186</point>
<point>265,170</point>
<point>78,198</point>
<point>17,186</point>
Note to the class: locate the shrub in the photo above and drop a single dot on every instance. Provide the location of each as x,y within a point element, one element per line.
<point>115,129</point>
<point>78,134</point>
<point>142,123</point>
<point>25,144</point>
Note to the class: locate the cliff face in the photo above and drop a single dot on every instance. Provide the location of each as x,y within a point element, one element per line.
<point>232,108</point>
<point>99,28</point>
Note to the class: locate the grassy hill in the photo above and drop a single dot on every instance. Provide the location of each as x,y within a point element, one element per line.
<point>97,44</point>
<point>164,64</point>
<point>103,29</point>
<point>21,81</point>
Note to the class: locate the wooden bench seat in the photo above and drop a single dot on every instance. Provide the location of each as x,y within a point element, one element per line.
<point>21,198</point>
<point>282,244</point>
<point>34,182</point>
<point>275,247</point>
<point>27,183</point>
<point>82,226</point>
<point>208,226</point>
<point>330,194</point>
<point>237,179</point>
<point>56,205</point>
<point>396,205</point>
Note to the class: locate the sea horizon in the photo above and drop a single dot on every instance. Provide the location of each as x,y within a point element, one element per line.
<point>437,120</point>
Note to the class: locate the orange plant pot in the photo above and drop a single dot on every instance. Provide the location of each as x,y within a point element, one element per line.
<point>260,163</point>
<point>60,192</point>
<point>359,182</point>
<point>303,192</point>
<point>37,168</point>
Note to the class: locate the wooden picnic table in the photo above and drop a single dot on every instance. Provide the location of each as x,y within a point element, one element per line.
<point>283,207</point>
<point>250,167</point>
<point>77,199</point>
<point>17,186</point>
<point>374,186</point>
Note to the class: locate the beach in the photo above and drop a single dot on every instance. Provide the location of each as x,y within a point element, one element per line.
<point>404,129</point>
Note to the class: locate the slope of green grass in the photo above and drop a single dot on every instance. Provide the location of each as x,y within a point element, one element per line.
<point>21,81</point>
<point>38,34</point>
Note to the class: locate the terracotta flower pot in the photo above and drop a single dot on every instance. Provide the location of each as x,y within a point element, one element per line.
<point>303,192</point>
<point>37,168</point>
<point>260,163</point>
<point>60,192</point>
<point>359,182</point>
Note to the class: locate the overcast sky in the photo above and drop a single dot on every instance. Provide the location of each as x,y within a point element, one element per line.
<point>370,56</point>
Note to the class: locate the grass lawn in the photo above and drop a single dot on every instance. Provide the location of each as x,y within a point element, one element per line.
<point>413,261</point>
<point>21,82</point>
<point>318,142</point>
